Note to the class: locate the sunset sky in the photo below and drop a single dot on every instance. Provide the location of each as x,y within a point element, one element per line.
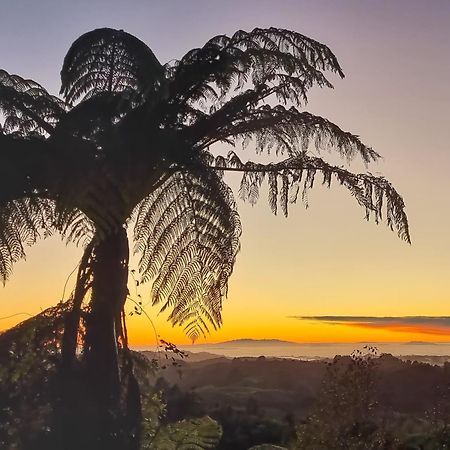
<point>323,274</point>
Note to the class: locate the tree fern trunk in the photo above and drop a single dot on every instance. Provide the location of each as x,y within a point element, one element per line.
<point>109,292</point>
<point>101,356</point>
<point>100,399</point>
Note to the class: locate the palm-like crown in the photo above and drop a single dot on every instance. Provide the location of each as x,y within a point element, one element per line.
<point>133,142</point>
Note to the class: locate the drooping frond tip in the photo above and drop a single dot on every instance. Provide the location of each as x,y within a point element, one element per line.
<point>24,221</point>
<point>290,180</point>
<point>188,234</point>
<point>289,62</point>
<point>27,108</point>
<point>21,223</point>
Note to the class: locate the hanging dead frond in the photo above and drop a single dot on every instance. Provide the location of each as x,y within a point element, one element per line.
<point>24,221</point>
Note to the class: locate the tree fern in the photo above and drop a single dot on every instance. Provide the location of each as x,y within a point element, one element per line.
<point>141,137</point>
<point>134,140</point>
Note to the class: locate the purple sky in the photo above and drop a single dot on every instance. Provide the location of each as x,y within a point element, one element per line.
<point>326,261</point>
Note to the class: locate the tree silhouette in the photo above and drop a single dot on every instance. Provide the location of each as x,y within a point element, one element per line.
<point>133,143</point>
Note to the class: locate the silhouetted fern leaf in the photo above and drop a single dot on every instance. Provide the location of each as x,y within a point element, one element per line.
<point>108,60</point>
<point>27,107</point>
<point>288,61</point>
<point>285,179</point>
<point>187,232</point>
<point>21,223</point>
<point>284,131</point>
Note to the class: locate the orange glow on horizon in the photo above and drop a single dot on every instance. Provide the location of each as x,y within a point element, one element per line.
<point>404,328</point>
<point>141,333</point>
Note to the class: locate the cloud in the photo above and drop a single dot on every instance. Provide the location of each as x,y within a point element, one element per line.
<point>435,325</point>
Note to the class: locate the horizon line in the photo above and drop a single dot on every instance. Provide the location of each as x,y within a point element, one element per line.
<point>415,342</point>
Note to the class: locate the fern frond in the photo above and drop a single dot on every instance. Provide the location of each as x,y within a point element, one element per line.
<point>22,222</point>
<point>280,130</point>
<point>187,232</point>
<point>285,59</point>
<point>28,109</point>
<point>74,226</point>
<point>285,179</point>
<point>108,60</point>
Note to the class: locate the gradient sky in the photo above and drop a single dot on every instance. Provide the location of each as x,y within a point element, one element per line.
<point>326,261</point>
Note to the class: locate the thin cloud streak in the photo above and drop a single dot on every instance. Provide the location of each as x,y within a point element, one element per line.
<point>434,325</point>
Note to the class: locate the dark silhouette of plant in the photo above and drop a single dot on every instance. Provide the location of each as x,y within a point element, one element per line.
<point>30,413</point>
<point>28,355</point>
<point>133,143</point>
<point>348,413</point>
<point>345,416</point>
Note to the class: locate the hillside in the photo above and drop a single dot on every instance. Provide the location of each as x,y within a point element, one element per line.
<point>291,386</point>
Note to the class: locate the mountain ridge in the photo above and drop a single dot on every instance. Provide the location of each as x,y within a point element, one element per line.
<point>250,341</point>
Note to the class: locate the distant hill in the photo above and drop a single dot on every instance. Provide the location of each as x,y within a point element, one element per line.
<point>190,356</point>
<point>427,359</point>
<point>255,342</point>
